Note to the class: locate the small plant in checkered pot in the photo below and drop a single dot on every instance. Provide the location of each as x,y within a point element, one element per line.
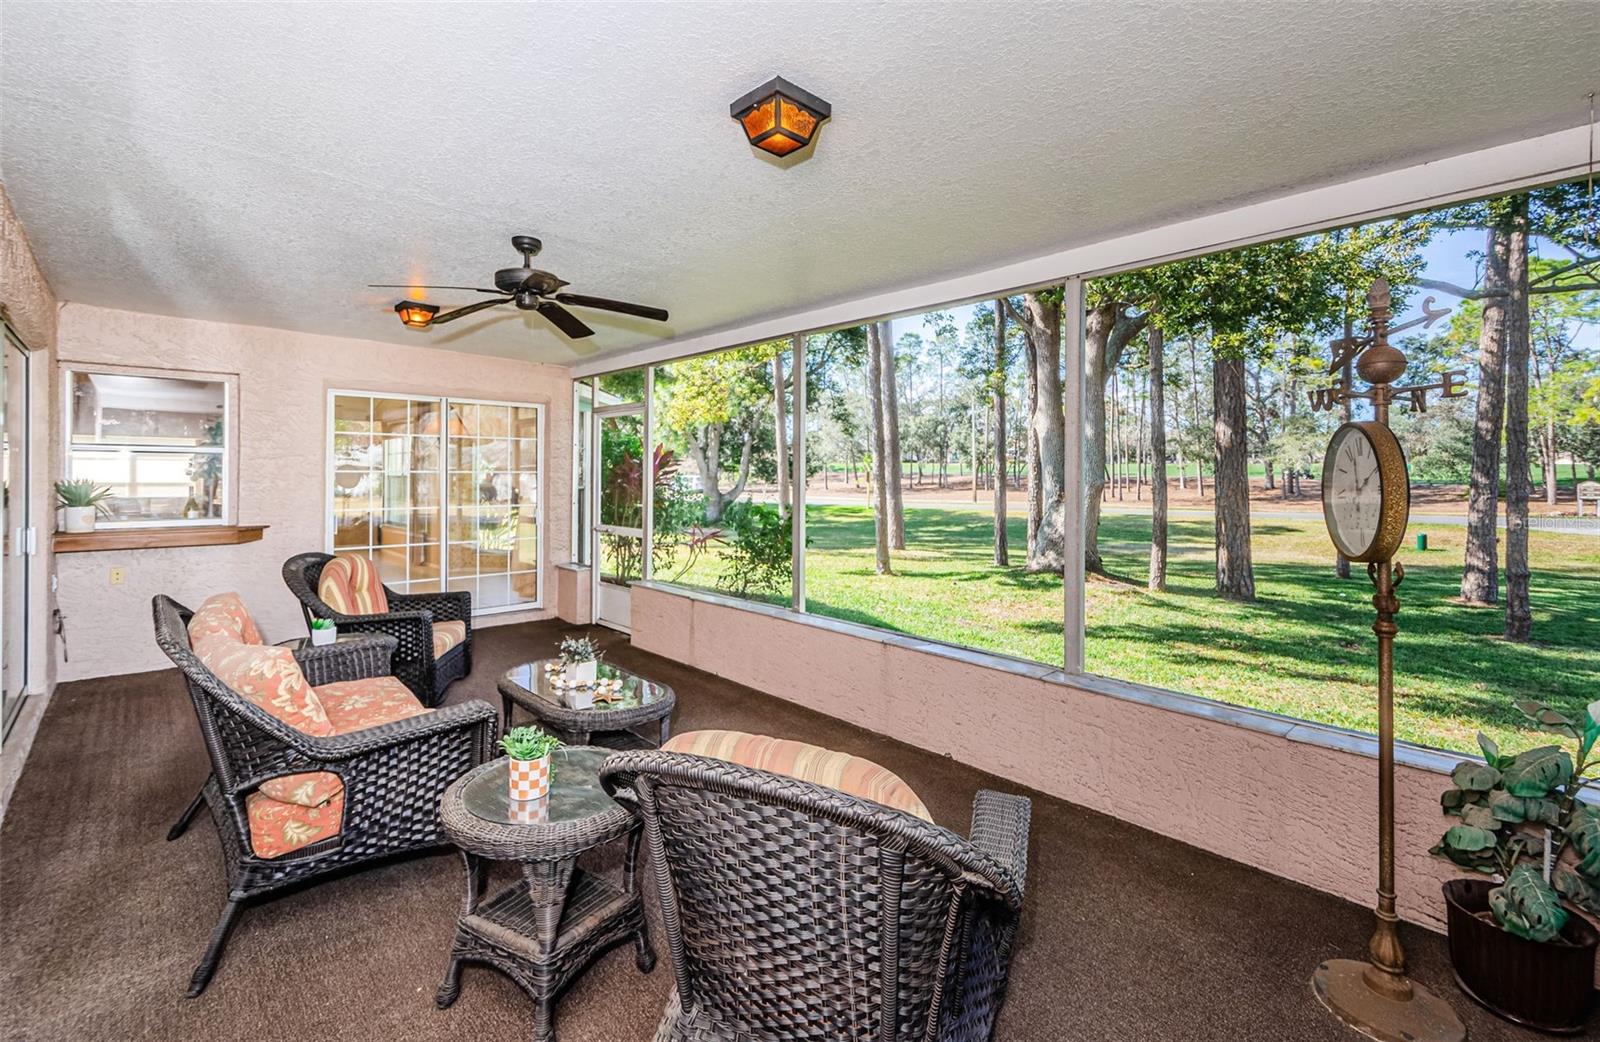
<point>529,769</point>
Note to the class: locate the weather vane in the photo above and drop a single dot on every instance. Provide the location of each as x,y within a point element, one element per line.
<point>1381,394</point>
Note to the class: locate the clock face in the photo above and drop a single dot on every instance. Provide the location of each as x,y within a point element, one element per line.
<point>1355,492</point>
<point>1365,491</point>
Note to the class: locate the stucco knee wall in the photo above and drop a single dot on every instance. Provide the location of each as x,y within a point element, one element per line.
<point>1297,808</point>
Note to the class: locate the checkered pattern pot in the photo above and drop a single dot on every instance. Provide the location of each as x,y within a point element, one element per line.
<point>530,779</point>
<point>530,812</point>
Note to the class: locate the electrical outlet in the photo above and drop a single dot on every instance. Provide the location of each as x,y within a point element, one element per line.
<point>117,575</point>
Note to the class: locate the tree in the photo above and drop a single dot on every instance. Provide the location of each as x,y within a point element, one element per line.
<point>1556,215</point>
<point>890,396</point>
<point>1158,459</point>
<point>715,405</point>
<point>1040,318</point>
<point>997,388</point>
<point>880,467</point>
<point>1519,612</point>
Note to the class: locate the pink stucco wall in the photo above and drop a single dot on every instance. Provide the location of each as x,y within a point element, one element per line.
<point>284,378</point>
<point>1293,807</point>
<point>32,308</point>
<point>574,592</point>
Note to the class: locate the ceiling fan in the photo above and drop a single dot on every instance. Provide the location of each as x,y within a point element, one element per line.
<point>529,289</point>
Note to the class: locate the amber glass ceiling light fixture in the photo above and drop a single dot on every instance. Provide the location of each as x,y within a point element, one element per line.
<point>416,314</point>
<point>779,117</point>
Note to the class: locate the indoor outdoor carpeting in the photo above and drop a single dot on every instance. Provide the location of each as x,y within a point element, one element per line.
<point>1125,936</point>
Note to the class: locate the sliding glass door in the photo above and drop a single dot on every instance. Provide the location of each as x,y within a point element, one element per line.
<point>18,538</point>
<point>440,493</point>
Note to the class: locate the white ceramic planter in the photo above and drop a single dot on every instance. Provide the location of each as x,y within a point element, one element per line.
<point>529,779</point>
<point>78,519</point>
<point>324,636</point>
<point>581,672</point>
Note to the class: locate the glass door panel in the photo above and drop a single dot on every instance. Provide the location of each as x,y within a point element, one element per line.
<point>619,511</point>
<point>14,533</point>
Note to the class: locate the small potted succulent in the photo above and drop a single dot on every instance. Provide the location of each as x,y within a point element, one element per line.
<point>323,631</point>
<point>580,660</point>
<point>80,501</point>
<point>1518,940</point>
<point>529,770</point>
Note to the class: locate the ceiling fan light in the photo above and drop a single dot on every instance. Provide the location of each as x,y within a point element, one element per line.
<point>415,314</point>
<point>780,118</point>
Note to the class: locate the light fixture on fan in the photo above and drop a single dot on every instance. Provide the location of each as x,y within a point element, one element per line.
<point>416,314</point>
<point>779,117</point>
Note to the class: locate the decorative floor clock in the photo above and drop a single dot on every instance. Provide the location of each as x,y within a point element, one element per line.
<point>1366,501</point>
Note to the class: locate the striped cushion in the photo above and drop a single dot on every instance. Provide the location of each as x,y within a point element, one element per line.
<point>350,586</point>
<point>848,774</point>
<point>447,635</point>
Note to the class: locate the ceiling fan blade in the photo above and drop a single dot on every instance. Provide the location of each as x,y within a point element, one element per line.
<point>450,316</point>
<point>411,285</point>
<point>564,320</point>
<point>640,310</point>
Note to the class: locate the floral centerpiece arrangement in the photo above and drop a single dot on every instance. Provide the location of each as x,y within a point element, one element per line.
<point>580,659</point>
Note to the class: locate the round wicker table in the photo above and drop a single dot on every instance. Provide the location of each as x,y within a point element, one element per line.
<point>546,928</point>
<point>611,717</point>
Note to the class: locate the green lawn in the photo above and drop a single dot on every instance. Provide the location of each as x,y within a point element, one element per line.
<point>1305,648</point>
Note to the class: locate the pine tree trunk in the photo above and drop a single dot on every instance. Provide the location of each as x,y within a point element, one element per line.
<point>1002,555</point>
<point>877,478</point>
<point>1480,580</point>
<point>780,434</point>
<point>1098,325</point>
<point>1034,500</point>
<point>1519,612</point>
<point>894,476</point>
<point>1235,578</point>
<point>1158,460</point>
<point>1048,551</point>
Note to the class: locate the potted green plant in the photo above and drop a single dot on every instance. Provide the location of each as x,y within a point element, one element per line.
<point>80,501</point>
<point>529,749</point>
<point>323,631</point>
<point>1518,940</point>
<point>580,660</point>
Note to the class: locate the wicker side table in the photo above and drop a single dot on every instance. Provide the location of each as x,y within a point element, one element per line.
<point>545,929</point>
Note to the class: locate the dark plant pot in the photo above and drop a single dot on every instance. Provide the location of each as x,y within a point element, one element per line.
<point>1547,987</point>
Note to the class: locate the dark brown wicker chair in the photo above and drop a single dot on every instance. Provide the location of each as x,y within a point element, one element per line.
<point>393,773</point>
<point>409,620</point>
<point>794,911</point>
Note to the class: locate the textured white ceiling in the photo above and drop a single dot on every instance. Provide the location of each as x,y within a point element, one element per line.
<point>260,163</point>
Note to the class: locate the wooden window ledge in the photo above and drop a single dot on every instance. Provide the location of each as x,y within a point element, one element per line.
<point>154,538</point>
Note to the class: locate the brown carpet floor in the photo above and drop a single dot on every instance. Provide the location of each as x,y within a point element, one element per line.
<point>1126,935</point>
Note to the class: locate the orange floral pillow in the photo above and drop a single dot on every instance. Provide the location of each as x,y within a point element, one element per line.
<point>223,615</point>
<point>311,789</point>
<point>268,676</point>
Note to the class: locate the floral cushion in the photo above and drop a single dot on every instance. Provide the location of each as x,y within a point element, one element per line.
<point>353,705</point>
<point>447,635</point>
<point>350,586</point>
<point>223,615</point>
<point>268,676</point>
<point>278,828</point>
<point>848,774</point>
<point>311,789</point>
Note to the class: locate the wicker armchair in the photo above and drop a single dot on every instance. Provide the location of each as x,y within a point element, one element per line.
<point>393,774</point>
<point>409,620</point>
<point>794,911</point>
